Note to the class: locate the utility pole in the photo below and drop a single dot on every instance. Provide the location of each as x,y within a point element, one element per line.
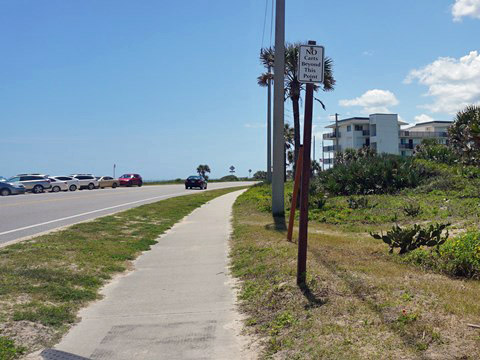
<point>323,157</point>
<point>269,127</point>
<point>336,138</point>
<point>114,166</point>
<point>314,148</point>
<point>278,206</point>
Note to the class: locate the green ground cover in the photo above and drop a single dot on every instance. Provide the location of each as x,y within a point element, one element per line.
<point>46,280</point>
<point>360,302</point>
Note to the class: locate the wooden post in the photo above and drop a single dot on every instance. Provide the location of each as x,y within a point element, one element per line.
<point>296,187</point>
<point>303,223</point>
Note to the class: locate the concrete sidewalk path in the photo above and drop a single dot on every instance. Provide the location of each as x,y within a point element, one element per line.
<point>177,303</point>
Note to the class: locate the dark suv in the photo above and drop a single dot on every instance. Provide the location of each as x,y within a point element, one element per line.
<point>130,179</point>
<point>35,183</point>
<point>196,182</point>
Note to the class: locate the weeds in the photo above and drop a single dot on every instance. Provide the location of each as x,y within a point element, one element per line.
<point>412,210</point>
<point>8,349</point>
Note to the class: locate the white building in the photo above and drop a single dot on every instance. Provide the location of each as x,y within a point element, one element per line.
<point>383,133</point>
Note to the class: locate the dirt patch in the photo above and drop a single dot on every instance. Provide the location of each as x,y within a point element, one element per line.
<point>29,334</point>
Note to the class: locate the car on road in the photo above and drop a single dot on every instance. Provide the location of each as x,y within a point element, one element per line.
<point>196,182</point>
<point>86,181</point>
<point>130,179</point>
<point>73,184</point>
<point>7,188</point>
<point>107,181</point>
<point>58,185</point>
<point>36,183</point>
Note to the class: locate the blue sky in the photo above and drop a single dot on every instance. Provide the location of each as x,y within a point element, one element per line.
<point>158,86</point>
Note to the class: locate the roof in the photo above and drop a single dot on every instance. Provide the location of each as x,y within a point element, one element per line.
<point>362,120</point>
<point>351,120</point>
<point>435,122</point>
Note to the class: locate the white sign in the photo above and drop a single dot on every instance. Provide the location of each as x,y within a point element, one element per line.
<point>310,64</point>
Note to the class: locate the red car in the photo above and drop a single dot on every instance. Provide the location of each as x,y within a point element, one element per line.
<point>130,180</point>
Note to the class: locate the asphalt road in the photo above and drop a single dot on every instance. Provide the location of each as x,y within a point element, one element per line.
<point>31,214</point>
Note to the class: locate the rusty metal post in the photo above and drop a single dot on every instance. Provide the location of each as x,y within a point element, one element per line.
<point>303,225</point>
<point>296,187</point>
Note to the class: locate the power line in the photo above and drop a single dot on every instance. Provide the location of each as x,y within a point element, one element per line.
<point>265,23</point>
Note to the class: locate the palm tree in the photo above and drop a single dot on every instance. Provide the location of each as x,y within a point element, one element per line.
<point>202,170</point>
<point>293,88</point>
<point>249,172</point>
<point>316,168</point>
<point>464,135</point>
<point>289,135</point>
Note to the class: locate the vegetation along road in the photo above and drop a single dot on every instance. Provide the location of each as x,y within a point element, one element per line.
<point>27,215</point>
<point>393,262</point>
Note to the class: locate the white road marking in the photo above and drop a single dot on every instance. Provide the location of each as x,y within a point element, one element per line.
<point>89,212</point>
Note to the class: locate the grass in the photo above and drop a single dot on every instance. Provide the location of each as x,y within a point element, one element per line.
<point>8,349</point>
<point>46,280</point>
<point>359,302</point>
<point>182,181</point>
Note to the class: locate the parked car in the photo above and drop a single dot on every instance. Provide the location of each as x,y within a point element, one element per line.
<point>130,179</point>
<point>108,181</point>
<point>58,185</point>
<point>73,184</point>
<point>196,182</point>
<point>2,178</point>
<point>35,183</point>
<point>86,181</point>
<point>7,188</point>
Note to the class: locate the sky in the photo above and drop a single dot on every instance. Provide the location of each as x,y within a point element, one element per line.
<point>158,87</point>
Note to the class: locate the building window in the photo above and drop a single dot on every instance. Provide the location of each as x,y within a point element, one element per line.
<point>373,130</point>
<point>358,127</point>
<point>403,153</point>
<point>349,128</point>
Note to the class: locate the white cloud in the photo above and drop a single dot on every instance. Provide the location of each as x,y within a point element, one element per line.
<point>367,53</point>
<point>373,101</point>
<point>463,8</point>
<point>423,118</point>
<point>453,83</point>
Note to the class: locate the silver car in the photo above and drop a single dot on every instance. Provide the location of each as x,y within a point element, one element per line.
<point>7,188</point>
<point>35,183</point>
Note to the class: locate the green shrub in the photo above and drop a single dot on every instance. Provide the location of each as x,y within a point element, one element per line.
<point>408,239</point>
<point>382,174</point>
<point>431,149</point>
<point>459,256</point>
<point>412,209</point>
<point>229,178</point>
<point>318,202</point>
<point>359,203</point>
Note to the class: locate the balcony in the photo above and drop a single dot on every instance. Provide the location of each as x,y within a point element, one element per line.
<point>332,148</point>
<point>407,146</point>
<point>330,136</point>
<point>423,134</point>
